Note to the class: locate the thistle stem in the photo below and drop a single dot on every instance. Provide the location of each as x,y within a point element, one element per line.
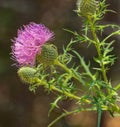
<point>99,117</point>
<point>98,48</point>
<point>62,66</point>
<point>67,94</point>
<point>61,116</point>
<point>103,68</point>
<point>67,113</point>
<point>68,70</point>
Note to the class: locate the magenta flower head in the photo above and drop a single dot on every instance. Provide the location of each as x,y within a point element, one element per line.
<point>28,43</point>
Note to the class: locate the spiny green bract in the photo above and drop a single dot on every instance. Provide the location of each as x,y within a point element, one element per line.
<point>27,75</point>
<point>48,55</point>
<point>86,7</point>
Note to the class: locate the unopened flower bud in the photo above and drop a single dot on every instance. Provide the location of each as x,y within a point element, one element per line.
<point>48,54</point>
<point>86,7</point>
<point>27,74</point>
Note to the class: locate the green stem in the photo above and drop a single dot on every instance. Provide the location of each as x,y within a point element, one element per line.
<point>67,94</point>
<point>98,48</point>
<point>99,117</point>
<point>61,116</point>
<point>68,70</point>
<point>56,120</point>
<point>103,68</point>
<point>66,113</point>
<point>63,66</point>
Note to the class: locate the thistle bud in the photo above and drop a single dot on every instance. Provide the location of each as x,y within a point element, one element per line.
<point>48,55</point>
<point>86,7</point>
<point>27,75</point>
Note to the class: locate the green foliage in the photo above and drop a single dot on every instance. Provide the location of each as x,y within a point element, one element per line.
<point>65,80</point>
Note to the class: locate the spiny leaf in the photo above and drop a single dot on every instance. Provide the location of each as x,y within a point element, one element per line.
<point>85,66</point>
<point>55,104</point>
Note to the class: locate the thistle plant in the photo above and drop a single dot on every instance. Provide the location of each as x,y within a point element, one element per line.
<point>40,64</point>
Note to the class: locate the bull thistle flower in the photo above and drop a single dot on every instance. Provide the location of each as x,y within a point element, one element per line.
<point>28,43</point>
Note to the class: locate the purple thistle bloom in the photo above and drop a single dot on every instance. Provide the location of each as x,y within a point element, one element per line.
<point>29,42</point>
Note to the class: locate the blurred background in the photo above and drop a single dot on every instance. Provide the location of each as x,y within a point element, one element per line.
<point>18,106</point>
